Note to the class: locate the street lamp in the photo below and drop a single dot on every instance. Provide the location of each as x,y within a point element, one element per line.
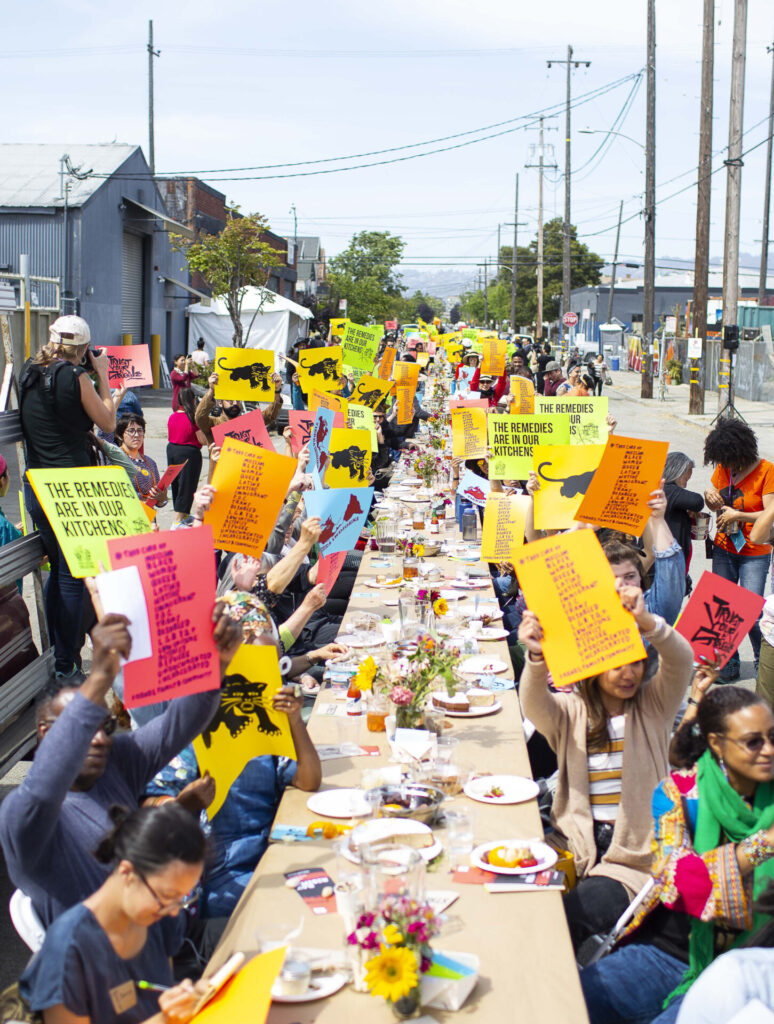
<point>603,131</point>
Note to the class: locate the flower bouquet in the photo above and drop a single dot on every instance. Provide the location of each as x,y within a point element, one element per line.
<point>426,466</point>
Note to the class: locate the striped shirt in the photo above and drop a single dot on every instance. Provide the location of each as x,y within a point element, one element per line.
<point>605,774</point>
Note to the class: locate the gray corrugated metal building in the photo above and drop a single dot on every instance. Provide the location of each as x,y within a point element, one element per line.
<point>117,267</point>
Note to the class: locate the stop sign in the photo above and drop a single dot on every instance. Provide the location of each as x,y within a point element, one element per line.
<point>570,319</point>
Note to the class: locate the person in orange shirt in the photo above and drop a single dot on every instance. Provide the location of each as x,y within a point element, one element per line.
<point>742,487</point>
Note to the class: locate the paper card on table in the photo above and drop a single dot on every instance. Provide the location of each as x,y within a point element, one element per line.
<point>523,391</point>
<point>247,996</point>
<point>404,396</point>
<point>244,374</point>
<point>320,440</point>
<point>493,357</point>
<point>359,345</point>
<point>468,403</point>
<point>505,516</point>
<point>469,433</point>
<point>568,583</point>
<point>337,326</point>
<point>251,484</point>
<point>384,370</point>
<point>249,428</point>
<point>473,488</point>
<point>406,373</point>
<point>328,569</point>
<point>588,417</point>
<point>86,506</point>
<point>245,725</point>
<point>320,368</point>
<point>564,472</point>
<point>718,616</point>
<point>617,497</point>
<point>327,400</point>
<point>311,885</point>
<point>129,366</point>
<point>470,875</point>
<point>371,391</point>
<point>300,422</point>
<point>513,438</point>
<point>177,571</point>
<point>121,592</point>
<point>167,477</point>
<point>349,458</point>
<point>342,514</point>
<point>360,417</point>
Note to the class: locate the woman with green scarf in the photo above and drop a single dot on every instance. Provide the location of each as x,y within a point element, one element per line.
<point>714,841</point>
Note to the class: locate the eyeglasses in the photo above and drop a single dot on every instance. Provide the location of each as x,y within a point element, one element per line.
<point>173,905</point>
<point>753,744</point>
<point>134,430</point>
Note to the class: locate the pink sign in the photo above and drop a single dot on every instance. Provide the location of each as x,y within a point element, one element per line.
<point>328,569</point>
<point>468,403</point>
<point>129,366</point>
<point>300,422</point>
<point>249,428</point>
<point>718,616</point>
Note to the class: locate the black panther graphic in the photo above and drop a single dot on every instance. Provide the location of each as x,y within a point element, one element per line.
<point>241,704</point>
<point>353,459</point>
<point>256,373</point>
<point>369,398</point>
<point>571,485</point>
<point>327,368</point>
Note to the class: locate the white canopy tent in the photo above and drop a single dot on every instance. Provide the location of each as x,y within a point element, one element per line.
<point>276,327</point>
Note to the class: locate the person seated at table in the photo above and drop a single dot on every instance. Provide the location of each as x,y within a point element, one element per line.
<point>130,435</point>
<point>93,956</point>
<point>52,821</point>
<point>610,737</point>
<point>714,841</point>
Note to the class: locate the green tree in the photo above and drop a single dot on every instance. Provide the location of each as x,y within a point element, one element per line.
<point>233,261</point>
<point>454,314</point>
<point>364,274</point>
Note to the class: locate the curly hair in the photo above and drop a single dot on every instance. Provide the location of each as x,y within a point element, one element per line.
<point>731,444</point>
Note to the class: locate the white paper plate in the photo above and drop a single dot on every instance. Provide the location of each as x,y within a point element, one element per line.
<point>488,633</point>
<point>491,709</point>
<point>480,664</point>
<point>320,987</point>
<point>339,803</point>
<point>374,639</point>
<point>516,789</point>
<point>452,595</point>
<point>469,584</point>
<point>493,611</point>
<point>545,855</point>
<point>384,586</point>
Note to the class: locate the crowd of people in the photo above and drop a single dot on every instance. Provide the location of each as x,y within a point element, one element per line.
<point>657,775</point>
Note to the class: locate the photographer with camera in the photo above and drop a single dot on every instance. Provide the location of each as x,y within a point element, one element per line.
<point>59,406</point>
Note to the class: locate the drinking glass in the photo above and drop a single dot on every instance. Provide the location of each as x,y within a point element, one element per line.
<point>377,709</point>
<point>410,567</point>
<point>459,835</point>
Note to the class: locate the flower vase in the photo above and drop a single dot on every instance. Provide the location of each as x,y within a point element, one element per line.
<point>407,716</point>
<point>410,1005</point>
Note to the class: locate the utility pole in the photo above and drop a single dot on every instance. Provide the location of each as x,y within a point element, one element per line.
<point>486,293</point>
<point>614,267</point>
<point>767,193</point>
<point>514,259</point>
<point>734,185</point>
<point>566,266</point>
<point>151,141</point>
<point>649,283</point>
<point>703,198</point>
<point>540,250</point>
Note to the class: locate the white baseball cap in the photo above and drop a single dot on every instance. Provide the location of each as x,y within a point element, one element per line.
<point>70,330</point>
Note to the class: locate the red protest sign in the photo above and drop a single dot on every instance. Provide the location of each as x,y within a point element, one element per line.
<point>249,428</point>
<point>300,422</point>
<point>390,325</point>
<point>129,366</point>
<point>718,616</point>
<point>177,571</point>
<point>169,475</point>
<point>468,403</point>
<point>328,569</point>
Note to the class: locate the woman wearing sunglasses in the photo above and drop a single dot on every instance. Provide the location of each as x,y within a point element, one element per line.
<point>95,955</point>
<point>714,832</point>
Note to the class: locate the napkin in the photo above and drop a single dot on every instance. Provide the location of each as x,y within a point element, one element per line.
<point>412,744</point>
<point>450,980</point>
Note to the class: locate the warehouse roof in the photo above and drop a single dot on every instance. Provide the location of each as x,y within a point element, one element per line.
<point>29,172</point>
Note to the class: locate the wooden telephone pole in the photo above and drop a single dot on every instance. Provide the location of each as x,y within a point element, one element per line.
<point>649,282</point>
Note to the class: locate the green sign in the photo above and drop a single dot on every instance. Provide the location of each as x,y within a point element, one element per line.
<point>360,344</point>
<point>587,417</point>
<point>513,438</point>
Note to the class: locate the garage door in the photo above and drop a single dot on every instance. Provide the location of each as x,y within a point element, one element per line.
<point>132,277</point>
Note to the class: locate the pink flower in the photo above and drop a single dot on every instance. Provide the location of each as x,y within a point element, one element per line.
<point>366,920</point>
<point>401,695</point>
<point>425,964</point>
<point>371,941</point>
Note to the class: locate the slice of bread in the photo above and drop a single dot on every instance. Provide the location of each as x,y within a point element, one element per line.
<point>399,830</point>
<point>480,697</point>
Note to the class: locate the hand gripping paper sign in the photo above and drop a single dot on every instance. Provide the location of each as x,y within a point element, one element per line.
<point>618,495</point>
<point>588,417</point>
<point>129,366</point>
<point>86,507</point>
<point>469,433</point>
<point>342,514</point>
<point>326,400</point>
<point>718,616</point>
<point>523,391</point>
<point>244,374</point>
<point>300,422</point>
<point>250,485</point>
<point>505,516</point>
<point>568,583</point>
<point>360,344</point>
<point>177,572</point>
<point>245,725</point>
<point>564,473</point>
<point>349,458</point>
<point>512,440</point>
<point>249,428</point>
<point>320,368</point>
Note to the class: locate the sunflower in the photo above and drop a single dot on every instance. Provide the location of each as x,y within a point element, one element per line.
<point>392,973</point>
<point>440,606</point>
<point>366,674</point>
<point>418,550</point>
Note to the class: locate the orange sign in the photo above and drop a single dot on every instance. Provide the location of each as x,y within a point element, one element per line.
<point>405,400</point>
<point>505,517</point>
<point>617,496</point>
<point>385,366</point>
<point>325,400</point>
<point>469,433</point>
<point>523,391</point>
<point>493,357</point>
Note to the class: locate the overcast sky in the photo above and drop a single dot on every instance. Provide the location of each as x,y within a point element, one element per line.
<point>240,84</point>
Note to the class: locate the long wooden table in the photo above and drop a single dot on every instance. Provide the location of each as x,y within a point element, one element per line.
<point>528,970</point>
